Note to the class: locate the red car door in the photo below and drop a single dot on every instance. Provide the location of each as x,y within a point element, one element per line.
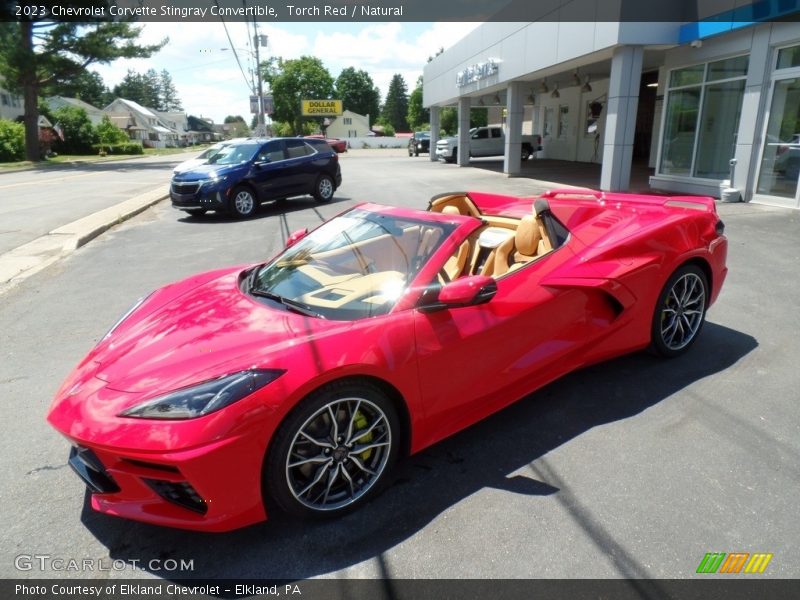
<point>475,360</point>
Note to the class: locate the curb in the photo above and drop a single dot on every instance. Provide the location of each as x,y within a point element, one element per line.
<point>24,261</point>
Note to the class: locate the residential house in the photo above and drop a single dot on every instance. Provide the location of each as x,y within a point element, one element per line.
<point>177,121</point>
<point>95,114</point>
<point>349,125</point>
<point>11,105</point>
<point>201,130</point>
<point>142,124</point>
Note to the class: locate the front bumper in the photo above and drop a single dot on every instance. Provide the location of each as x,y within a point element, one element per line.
<point>193,197</point>
<point>443,152</point>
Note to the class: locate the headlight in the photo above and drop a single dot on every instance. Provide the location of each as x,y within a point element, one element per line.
<point>204,398</point>
<point>127,314</point>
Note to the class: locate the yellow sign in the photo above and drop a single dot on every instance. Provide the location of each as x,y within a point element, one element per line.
<point>322,108</point>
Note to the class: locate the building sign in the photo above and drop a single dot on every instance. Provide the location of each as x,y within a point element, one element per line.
<point>322,108</point>
<point>477,72</point>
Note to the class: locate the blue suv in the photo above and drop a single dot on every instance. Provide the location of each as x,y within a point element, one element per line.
<point>246,174</point>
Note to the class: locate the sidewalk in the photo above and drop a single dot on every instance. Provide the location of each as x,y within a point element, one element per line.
<point>22,262</point>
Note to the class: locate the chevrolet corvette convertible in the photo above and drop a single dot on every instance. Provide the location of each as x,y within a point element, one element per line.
<point>295,384</point>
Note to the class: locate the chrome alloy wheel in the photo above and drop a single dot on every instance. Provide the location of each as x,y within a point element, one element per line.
<point>325,188</point>
<point>682,311</point>
<point>338,454</point>
<point>244,203</point>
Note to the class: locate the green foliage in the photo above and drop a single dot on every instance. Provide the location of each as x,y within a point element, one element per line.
<point>86,85</point>
<point>448,119</point>
<point>395,109</point>
<point>168,96</point>
<point>79,135</point>
<point>479,117</point>
<point>358,93</point>
<point>109,134</point>
<point>121,148</point>
<point>12,141</point>
<point>418,117</point>
<point>62,51</point>
<point>292,81</point>
<point>388,130</point>
<point>282,129</point>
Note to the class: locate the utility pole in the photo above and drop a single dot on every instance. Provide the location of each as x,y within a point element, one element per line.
<point>257,39</point>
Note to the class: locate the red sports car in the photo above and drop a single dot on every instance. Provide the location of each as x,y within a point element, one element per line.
<point>297,383</point>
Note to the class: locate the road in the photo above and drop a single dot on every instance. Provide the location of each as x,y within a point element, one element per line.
<point>37,201</point>
<point>633,468</point>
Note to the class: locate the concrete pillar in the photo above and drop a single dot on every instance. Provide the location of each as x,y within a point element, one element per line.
<point>464,106</point>
<point>512,160</point>
<point>623,101</point>
<point>435,127</point>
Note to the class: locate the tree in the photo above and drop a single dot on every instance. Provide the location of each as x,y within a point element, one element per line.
<point>109,134</point>
<point>395,109</point>
<point>236,126</point>
<point>292,81</point>
<point>448,119</point>
<point>62,51</point>
<point>418,116</point>
<point>358,93</point>
<point>77,130</point>
<point>86,85</point>
<point>168,97</point>
<point>142,89</point>
<point>12,141</point>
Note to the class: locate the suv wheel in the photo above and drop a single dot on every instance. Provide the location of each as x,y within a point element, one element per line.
<point>324,188</point>
<point>243,202</point>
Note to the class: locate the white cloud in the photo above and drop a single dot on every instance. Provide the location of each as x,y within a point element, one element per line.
<point>209,81</point>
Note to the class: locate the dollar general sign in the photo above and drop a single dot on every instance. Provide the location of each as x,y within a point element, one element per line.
<point>322,108</point>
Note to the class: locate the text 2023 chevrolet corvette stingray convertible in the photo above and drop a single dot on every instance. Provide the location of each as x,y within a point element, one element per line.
<point>297,383</point>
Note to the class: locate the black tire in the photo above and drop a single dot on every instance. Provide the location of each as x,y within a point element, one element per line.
<point>330,481</point>
<point>454,157</point>
<point>680,311</point>
<point>243,202</point>
<point>324,188</point>
<point>416,152</point>
<point>195,212</point>
<point>526,153</point>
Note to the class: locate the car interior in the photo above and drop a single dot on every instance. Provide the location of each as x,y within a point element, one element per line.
<point>502,244</point>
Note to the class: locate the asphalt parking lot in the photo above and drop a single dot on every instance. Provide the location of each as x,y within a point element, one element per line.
<point>633,468</point>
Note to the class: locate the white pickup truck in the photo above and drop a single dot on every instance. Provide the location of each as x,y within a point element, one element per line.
<point>486,141</point>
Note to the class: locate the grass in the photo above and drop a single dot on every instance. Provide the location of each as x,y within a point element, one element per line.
<point>84,158</point>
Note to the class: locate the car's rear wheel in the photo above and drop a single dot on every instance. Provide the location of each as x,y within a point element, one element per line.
<point>324,188</point>
<point>196,212</point>
<point>243,203</point>
<point>334,451</point>
<point>680,311</point>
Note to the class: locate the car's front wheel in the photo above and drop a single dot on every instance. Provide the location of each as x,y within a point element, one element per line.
<point>324,188</point>
<point>453,157</point>
<point>680,311</point>
<point>526,153</point>
<point>334,451</point>
<point>243,202</point>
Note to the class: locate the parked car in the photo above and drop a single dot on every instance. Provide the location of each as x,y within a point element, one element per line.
<point>257,170</point>
<point>486,141</point>
<point>206,155</point>
<point>297,382</point>
<point>335,143</point>
<point>418,143</point>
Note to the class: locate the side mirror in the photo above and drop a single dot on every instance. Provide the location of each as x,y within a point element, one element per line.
<point>296,237</point>
<point>466,291</point>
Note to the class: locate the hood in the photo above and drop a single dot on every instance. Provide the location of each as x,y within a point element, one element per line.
<point>189,164</point>
<point>206,170</point>
<point>212,330</point>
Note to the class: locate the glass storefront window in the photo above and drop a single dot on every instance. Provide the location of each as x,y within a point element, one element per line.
<point>788,58</point>
<point>681,125</point>
<point>716,144</point>
<point>728,68</point>
<point>702,118</point>
<point>687,76</point>
<point>780,162</point>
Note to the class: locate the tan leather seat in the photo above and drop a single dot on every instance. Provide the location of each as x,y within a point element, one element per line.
<point>519,248</point>
<point>454,266</point>
<point>451,210</point>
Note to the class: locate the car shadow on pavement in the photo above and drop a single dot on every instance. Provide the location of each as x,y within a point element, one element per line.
<point>487,455</point>
<point>267,210</point>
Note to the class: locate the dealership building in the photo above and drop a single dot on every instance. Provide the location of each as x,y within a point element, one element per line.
<point>685,99</point>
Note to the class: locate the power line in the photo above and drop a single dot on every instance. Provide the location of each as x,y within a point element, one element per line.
<point>233,49</point>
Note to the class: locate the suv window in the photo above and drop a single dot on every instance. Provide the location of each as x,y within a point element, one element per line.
<point>297,149</point>
<point>481,134</point>
<point>271,151</point>
<point>496,133</point>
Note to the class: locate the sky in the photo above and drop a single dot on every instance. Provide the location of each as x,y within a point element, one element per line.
<point>210,84</point>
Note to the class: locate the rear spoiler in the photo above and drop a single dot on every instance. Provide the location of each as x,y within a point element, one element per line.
<point>701,203</point>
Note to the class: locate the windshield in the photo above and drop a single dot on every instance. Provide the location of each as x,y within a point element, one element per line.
<point>354,266</point>
<point>212,151</point>
<point>237,154</point>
